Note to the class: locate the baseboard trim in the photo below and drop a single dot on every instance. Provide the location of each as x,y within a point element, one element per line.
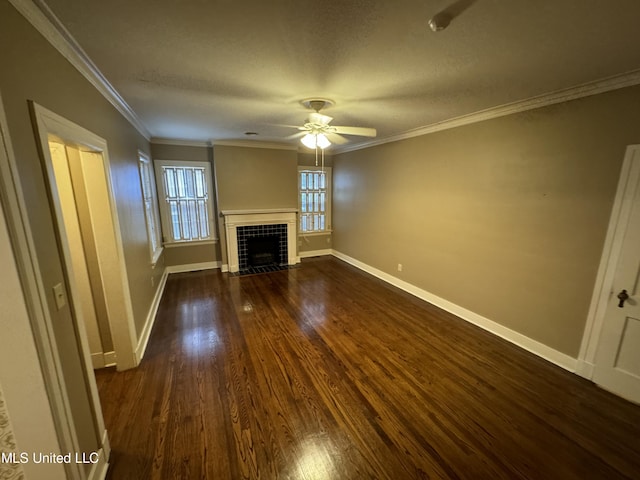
<point>101,466</point>
<point>103,359</point>
<point>554,356</point>
<point>97,360</point>
<point>315,253</point>
<point>109,359</point>
<point>151,318</point>
<point>193,267</point>
<point>585,369</point>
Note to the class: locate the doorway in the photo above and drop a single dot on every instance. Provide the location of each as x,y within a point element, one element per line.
<point>611,348</point>
<point>84,206</point>
<point>77,168</point>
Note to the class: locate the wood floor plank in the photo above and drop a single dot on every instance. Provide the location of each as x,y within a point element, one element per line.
<point>324,372</point>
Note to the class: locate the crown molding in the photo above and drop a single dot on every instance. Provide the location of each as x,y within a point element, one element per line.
<point>47,24</point>
<point>580,91</point>
<point>254,144</point>
<point>178,142</point>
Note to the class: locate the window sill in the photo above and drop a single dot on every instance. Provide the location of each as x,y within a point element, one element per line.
<point>156,257</point>
<point>191,244</point>
<point>315,234</point>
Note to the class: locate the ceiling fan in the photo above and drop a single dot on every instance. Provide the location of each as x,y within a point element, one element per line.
<point>317,131</point>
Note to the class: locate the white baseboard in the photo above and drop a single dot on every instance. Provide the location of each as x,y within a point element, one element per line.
<point>151,318</point>
<point>109,359</point>
<point>193,267</point>
<point>97,360</point>
<point>100,467</point>
<point>316,253</point>
<point>224,268</point>
<point>103,359</point>
<point>585,369</point>
<point>554,356</point>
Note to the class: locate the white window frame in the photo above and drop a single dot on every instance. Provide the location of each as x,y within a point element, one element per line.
<point>327,211</point>
<point>165,212</point>
<point>151,211</point>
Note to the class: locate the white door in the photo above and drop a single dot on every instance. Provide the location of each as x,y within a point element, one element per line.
<point>617,365</point>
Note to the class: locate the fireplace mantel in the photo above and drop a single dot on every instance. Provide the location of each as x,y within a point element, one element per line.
<point>239,218</point>
<point>262,211</point>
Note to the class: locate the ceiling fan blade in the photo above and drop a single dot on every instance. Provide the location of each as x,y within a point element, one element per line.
<point>318,118</point>
<point>337,139</point>
<point>295,135</point>
<point>360,131</point>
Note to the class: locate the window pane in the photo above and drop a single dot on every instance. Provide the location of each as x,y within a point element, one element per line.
<point>200,184</point>
<point>170,182</point>
<point>204,219</point>
<point>175,220</point>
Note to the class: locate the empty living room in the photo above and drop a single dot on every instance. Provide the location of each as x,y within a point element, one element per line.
<point>331,240</point>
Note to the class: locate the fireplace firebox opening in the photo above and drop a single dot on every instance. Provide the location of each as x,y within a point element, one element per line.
<point>263,250</point>
<point>262,246</point>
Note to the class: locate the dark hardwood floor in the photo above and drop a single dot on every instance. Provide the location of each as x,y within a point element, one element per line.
<point>323,372</point>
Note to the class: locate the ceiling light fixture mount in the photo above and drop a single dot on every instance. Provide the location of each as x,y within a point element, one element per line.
<point>440,21</point>
<point>317,104</point>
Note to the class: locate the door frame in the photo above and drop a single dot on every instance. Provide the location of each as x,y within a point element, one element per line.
<point>618,222</point>
<point>35,296</point>
<point>116,283</point>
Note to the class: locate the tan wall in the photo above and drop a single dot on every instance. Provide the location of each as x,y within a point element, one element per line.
<point>188,254</point>
<point>309,160</point>
<point>506,218</point>
<point>33,70</point>
<point>312,243</point>
<point>250,178</point>
<point>160,151</point>
<point>255,178</point>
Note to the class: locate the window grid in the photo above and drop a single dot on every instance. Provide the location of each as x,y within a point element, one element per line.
<point>187,197</point>
<point>313,201</point>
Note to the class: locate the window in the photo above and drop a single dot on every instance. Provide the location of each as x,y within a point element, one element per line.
<point>185,201</point>
<point>151,213</point>
<point>315,199</point>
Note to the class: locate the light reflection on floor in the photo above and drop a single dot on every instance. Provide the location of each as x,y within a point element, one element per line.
<point>199,335</point>
<point>315,463</point>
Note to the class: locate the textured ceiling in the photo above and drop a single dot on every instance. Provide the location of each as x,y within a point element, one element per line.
<point>206,70</point>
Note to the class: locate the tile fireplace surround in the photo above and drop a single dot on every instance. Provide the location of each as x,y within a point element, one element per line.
<point>240,218</point>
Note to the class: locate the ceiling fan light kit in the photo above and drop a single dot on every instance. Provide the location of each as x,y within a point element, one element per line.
<point>315,140</point>
<point>318,134</point>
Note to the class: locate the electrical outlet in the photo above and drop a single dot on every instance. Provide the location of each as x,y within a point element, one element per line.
<point>59,295</point>
<point>399,267</point>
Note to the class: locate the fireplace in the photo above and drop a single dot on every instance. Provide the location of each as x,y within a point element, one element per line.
<point>255,237</point>
<point>260,245</point>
